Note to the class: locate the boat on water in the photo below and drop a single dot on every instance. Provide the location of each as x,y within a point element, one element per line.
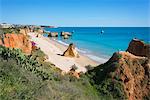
<point>102,31</point>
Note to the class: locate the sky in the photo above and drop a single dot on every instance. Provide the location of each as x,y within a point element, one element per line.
<point>106,13</point>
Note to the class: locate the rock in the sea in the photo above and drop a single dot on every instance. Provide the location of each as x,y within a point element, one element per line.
<point>20,41</point>
<point>53,34</point>
<point>65,36</point>
<point>139,48</point>
<point>65,33</point>
<point>71,51</point>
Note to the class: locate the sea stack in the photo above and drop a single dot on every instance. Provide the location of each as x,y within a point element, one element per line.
<point>65,35</point>
<point>53,34</point>
<point>71,51</point>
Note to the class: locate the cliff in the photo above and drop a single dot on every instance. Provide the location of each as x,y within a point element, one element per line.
<point>20,41</point>
<point>134,73</point>
<point>126,75</point>
<point>139,48</point>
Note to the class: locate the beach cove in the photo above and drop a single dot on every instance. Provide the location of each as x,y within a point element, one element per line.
<point>54,49</point>
<point>100,46</point>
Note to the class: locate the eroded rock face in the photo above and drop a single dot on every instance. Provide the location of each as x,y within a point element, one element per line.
<point>139,48</point>
<point>134,72</point>
<point>16,41</point>
<point>71,51</point>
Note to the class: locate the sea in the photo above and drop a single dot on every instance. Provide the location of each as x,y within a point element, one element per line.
<point>99,43</point>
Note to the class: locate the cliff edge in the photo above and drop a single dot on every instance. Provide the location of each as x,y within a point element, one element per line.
<point>126,75</point>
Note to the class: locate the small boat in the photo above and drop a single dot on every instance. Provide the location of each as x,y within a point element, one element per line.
<point>102,31</point>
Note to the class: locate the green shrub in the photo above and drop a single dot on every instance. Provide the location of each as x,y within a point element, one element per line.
<point>102,78</point>
<point>25,78</point>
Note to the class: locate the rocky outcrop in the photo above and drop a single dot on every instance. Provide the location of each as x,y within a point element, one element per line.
<point>65,33</point>
<point>20,41</point>
<point>39,35</point>
<point>125,76</point>
<point>139,48</point>
<point>53,34</point>
<point>41,31</point>
<point>65,36</point>
<point>134,73</point>
<point>24,31</point>
<point>71,51</point>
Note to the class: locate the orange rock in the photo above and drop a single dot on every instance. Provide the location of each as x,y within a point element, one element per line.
<point>133,71</point>
<point>139,48</point>
<point>71,51</point>
<point>75,74</point>
<point>17,41</point>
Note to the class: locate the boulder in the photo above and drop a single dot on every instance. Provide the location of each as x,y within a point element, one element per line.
<point>65,36</point>
<point>40,31</point>
<point>39,35</point>
<point>71,51</point>
<point>65,33</point>
<point>53,34</point>
<point>139,48</point>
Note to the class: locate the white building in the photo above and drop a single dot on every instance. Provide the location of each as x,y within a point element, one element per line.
<point>5,25</point>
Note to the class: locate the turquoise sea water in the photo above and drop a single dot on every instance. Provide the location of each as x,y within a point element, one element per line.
<point>97,45</point>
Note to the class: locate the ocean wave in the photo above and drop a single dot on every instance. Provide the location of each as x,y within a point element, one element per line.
<point>79,50</point>
<point>96,58</point>
<point>86,53</point>
<point>63,43</point>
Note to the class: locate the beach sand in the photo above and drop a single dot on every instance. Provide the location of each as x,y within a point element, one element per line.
<point>54,50</point>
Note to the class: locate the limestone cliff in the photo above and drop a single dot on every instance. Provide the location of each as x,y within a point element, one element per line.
<point>20,41</point>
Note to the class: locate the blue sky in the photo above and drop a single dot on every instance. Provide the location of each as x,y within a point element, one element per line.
<point>76,12</point>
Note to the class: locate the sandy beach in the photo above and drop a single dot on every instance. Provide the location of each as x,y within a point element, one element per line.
<point>54,50</point>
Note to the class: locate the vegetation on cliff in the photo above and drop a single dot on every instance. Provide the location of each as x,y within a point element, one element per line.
<point>9,30</point>
<point>101,79</point>
<point>28,77</point>
<point>124,76</point>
